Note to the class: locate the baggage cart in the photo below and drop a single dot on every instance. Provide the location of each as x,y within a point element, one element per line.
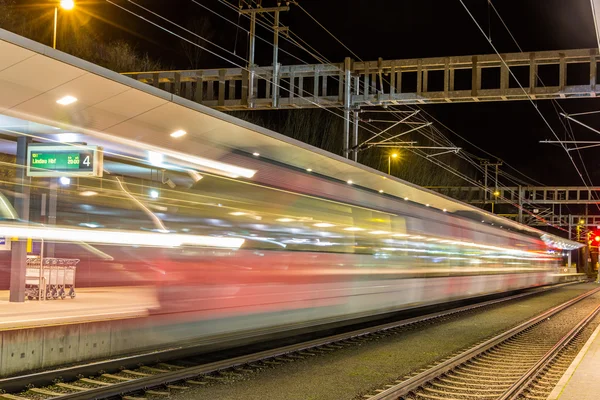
<point>50,278</point>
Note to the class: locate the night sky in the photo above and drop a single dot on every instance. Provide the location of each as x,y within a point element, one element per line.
<point>394,29</point>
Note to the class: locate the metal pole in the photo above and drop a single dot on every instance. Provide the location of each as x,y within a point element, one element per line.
<point>18,261</point>
<point>570,227</point>
<point>485,183</point>
<point>52,212</point>
<point>389,164</point>
<point>520,205</point>
<point>251,60</point>
<point>275,90</point>
<point>347,99</point>
<point>355,137</point>
<point>55,23</point>
<point>496,189</point>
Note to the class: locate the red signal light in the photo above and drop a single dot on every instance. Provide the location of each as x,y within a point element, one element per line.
<point>597,238</point>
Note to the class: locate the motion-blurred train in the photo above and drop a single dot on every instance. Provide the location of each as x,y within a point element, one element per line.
<point>288,249</point>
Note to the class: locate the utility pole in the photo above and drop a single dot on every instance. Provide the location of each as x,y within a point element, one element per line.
<point>252,84</point>
<point>496,192</point>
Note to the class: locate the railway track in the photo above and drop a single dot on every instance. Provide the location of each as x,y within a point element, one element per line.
<point>525,362</point>
<point>133,381</point>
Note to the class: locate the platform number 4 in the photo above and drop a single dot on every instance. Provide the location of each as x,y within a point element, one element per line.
<point>86,161</point>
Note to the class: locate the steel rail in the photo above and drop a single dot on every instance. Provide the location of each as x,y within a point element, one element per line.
<point>121,388</point>
<point>527,379</point>
<point>411,384</point>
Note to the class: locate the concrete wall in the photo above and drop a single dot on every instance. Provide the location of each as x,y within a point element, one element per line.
<point>28,350</point>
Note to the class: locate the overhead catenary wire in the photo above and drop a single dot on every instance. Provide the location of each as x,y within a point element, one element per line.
<point>523,89</point>
<point>462,176</point>
<point>301,90</point>
<point>567,126</point>
<point>355,55</point>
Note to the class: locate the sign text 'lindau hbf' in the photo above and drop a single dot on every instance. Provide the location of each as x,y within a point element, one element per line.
<point>51,161</point>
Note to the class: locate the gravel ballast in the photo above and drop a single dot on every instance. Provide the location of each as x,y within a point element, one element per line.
<point>349,372</point>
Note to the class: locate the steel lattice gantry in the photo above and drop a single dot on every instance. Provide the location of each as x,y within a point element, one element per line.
<point>387,82</point>
<point>539,195</point>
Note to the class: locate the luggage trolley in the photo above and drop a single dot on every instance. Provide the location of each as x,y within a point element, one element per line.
<point>50,278</point>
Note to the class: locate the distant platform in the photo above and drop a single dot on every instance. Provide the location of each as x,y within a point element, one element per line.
<point>581,381</point>
<point>90,305</point>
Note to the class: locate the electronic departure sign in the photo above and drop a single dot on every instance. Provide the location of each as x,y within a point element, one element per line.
<point>64,160</point>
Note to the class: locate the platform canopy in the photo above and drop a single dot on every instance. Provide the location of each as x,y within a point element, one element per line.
<point>121,113</point>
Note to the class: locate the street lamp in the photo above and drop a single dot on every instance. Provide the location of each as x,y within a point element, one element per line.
<point>65,5</point>
<point>394,156</point>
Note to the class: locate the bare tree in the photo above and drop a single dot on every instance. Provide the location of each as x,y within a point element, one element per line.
<point>200,26</point>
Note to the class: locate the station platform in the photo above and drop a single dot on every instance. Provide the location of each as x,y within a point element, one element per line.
<point>581,381</point>
<point>90,305</point>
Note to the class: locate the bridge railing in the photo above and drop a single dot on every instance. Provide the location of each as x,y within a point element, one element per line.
<point>544,75</point>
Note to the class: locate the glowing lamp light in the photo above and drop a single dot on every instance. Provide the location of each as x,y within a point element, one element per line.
<point>394,155</point>
<point>353,229</point>
<point>237,213</point>
<point>323,225</point>
<point>155,158</point>
<point>179,133</point>
<point>308,169</point>
<point>597,238</point>
<point>255,154</point>
<point>67,4</point>
<point>349,182</point>
<point>88,193</point>
<point>381,191</point>
<point>65,101</point>
<point>65,181</point>
<point>154,194</point>
<point>284,220</point>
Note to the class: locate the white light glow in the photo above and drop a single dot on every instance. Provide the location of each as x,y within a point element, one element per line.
<point>255,154</point>
<point>155,158</point>
<point>67,137</point>
<point>406,198</point>
<point>349,182</point>
<point>116,237</point>
<point>88,193</point>
<point>154,194</point>
<point>65,181</point>
<point>285,220</point>
<point>67,4</point>
<point>90,225</point>
<point>353,229</point>
<point>238,213</point>
<point>400,235</point>
<point>179,133</point>
<point>381,191</point>
<point>378,232</point>
<point>308,169</point>
<point>323,225</point>
<point>65,101</point>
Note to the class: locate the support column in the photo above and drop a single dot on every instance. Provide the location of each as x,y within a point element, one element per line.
<point>275,61</point>
<point>252,74</point>
<point>355,136</point>
<point>18,261</point>
<point>520,205</point>
<point>49,248</point>
<point>347,105</point>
